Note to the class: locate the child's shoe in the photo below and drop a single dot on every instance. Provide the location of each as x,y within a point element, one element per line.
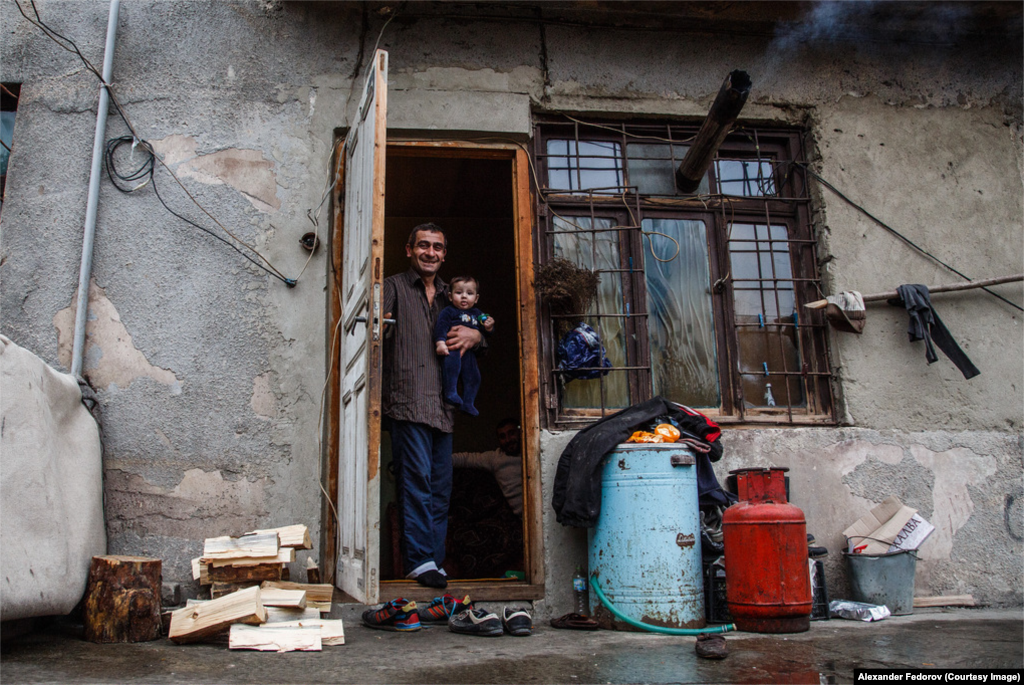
<point>398,614</point>
<point>441,608</point>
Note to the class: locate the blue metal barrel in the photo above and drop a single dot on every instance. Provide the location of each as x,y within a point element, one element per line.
<point>645,548</point>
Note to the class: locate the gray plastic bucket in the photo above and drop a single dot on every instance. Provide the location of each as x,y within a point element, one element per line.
<point>884,579</point>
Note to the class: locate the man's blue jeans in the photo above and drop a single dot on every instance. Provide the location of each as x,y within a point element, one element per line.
<point>423,481</point>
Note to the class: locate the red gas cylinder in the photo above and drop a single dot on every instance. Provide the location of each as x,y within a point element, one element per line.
<point>767,583</point>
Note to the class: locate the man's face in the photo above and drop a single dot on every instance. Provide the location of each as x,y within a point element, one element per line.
<point>510,440</point>
<point>426,253</point>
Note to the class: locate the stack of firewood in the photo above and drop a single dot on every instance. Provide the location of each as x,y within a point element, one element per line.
<point>252,600</point>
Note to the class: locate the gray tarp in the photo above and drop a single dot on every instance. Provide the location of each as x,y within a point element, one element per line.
<point>51,487</point>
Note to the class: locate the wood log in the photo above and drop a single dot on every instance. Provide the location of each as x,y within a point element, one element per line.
<point>312,571</point>
<point>251,575</point>
<point>253,545</point>
<point>945,601</point>
<point>296,536</point>
<point>282,614</point>
<point>224,589</point>
<point>275,638</point>
<point>276,597</point>
<point>332,632</point>
<point>122,599</point>
<point>202,621</point>
<point>200,571</point>
<point>284,555</point>
<point>315,592</point>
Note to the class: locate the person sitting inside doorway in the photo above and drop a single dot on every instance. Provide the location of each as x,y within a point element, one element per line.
<point>505,463</point>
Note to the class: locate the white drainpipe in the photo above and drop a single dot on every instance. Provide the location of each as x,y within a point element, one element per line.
<point>94,193</point>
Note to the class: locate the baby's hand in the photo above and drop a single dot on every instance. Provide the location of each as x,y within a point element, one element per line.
<point>488,323</point>
<point>442,349</point>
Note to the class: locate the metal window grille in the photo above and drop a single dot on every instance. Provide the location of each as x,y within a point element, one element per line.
<point>762,257</point>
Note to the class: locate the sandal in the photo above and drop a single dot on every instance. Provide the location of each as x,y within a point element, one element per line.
<point>574,622</point>
<point>711,646</point>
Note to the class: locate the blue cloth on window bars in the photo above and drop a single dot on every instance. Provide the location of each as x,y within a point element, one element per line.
<point>579,349</point>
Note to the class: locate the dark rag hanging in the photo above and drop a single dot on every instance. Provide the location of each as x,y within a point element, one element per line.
<point>926,325</point>
<point>577,490</point>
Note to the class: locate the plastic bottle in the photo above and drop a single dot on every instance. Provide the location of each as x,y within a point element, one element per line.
<point>581,594</point>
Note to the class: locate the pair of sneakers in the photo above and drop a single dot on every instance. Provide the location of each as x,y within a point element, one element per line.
<point>487,624</point>
<point>404,616</point>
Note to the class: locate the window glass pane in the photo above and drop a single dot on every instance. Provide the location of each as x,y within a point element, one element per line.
<point>766,315</point>
<point>584,165</point>
<point>680,323</point>
<point>746,177</point>
<point>652,168</point>
<point>586,246</point>
<point>7,135</point>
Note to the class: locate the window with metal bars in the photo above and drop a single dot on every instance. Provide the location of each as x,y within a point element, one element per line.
<point>700,294</point>
<point>9,93</point>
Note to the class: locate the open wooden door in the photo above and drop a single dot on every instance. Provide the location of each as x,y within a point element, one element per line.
<point>361,336</point>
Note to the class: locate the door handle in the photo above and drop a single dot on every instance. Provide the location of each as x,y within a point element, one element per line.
<point>362,319</point>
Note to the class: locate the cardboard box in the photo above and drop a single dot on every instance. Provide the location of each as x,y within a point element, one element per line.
<point>890,527</point>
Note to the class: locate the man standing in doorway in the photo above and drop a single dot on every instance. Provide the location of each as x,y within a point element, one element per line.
<point>419,421</point>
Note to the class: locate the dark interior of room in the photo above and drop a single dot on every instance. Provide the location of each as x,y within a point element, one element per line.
<point>472,200</point>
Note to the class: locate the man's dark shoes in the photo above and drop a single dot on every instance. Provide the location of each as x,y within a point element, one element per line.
<point>476,622</point>
<point>432,578</point>
<point>516,622</point>
<point>442,608</point>
<point>398,614</point>
<point>711,646</point>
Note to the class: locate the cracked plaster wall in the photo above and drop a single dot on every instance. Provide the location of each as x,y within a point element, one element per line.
<point>210,372</point>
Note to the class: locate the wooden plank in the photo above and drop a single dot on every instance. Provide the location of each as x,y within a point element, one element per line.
<point>944,601</point>
<point>533,535</point>
<point>277,597</point>
<point>250,575</point>
<point>482,591</point>
<point>296,535</point>
<point>315,592</point>
<point>251,545</point>
<point>329,512</point>
<point>275,638</point>
<point>332,631</point>
<point>199,622</point>
<point>285,555</point>
<point>280,614</point>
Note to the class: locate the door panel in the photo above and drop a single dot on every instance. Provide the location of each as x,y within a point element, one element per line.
<point>363,247</point>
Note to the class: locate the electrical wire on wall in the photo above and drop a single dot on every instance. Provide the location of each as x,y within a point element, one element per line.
<point>145,171</point>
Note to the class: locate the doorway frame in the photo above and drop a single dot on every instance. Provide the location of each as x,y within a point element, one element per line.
<point>523,227</point>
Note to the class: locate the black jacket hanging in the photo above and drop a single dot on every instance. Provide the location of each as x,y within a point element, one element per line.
<point>577,489</point>
<point>926,325</point>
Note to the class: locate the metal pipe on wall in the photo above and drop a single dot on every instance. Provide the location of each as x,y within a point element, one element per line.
<point>85,271</point>
<point>722,115</point>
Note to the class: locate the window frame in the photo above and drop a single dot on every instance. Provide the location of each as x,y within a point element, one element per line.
<point>9,99</point>
<point>791,205</point>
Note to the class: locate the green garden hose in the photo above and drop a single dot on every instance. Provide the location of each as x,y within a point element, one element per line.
<point>655,629</point>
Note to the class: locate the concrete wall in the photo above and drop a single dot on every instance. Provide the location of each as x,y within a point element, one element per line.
<point>210,373</point>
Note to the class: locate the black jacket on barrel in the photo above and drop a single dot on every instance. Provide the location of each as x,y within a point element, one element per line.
<point>577,491</point>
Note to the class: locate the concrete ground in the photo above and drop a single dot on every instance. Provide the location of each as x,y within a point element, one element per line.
<point>828,653</point>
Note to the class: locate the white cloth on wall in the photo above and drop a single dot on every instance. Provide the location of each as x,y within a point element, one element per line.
<point>51,487</point>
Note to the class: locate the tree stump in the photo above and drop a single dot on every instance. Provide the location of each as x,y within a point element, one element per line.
<point>122,599</point>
